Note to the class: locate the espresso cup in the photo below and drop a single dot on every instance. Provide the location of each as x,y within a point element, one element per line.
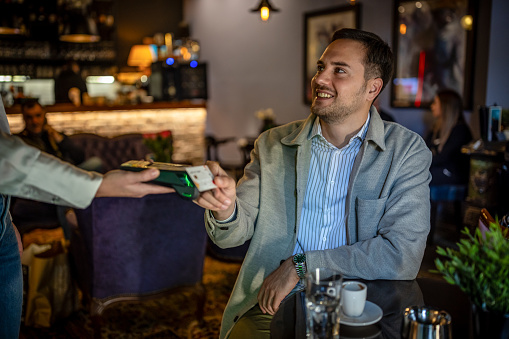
<point>353,298</point>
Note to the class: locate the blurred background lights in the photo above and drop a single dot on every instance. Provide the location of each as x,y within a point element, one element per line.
<point>402,29</point>
<point>467,22</point>
<point>100,79</point>
<point>193,64</point>
<point>170,61</point>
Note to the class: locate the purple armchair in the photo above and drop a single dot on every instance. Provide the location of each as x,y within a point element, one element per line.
<point>127,249</point>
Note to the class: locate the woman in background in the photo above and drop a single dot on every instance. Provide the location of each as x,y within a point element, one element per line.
<point>449,133</point>
<point>449,167</point>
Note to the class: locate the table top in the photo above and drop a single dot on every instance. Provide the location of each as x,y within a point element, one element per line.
<point>392,296</point>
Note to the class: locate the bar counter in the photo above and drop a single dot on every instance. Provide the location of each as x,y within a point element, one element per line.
<point>186,121</point>
<point>16,109</point>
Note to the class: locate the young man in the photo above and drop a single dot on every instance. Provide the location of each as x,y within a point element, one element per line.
<point>342,190</point>
<point>40,134</point>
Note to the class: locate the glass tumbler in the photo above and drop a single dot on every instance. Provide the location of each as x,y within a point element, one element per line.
<point>323,297</point>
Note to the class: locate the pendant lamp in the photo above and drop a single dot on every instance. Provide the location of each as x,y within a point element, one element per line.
<point>265,8</point>
<point>80,29</point>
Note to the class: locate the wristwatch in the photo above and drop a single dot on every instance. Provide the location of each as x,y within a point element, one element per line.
<point>300,264</point>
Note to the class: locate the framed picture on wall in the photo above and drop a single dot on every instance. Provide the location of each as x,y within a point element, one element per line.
<point>318,29</point>
<point>433,48</point>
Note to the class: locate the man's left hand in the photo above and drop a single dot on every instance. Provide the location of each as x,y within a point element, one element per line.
<point>277,286</point>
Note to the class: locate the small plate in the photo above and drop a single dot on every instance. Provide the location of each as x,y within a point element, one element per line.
<point>372,314</point>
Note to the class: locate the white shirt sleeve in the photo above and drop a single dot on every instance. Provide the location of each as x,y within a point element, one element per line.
<point>29,173</point>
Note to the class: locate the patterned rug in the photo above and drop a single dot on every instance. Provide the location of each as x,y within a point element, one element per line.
<point>167,317</point>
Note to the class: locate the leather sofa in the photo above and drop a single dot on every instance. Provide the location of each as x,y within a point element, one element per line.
<point>112,151</point>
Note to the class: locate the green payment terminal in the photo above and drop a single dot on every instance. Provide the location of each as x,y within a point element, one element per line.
<point>172,175</point>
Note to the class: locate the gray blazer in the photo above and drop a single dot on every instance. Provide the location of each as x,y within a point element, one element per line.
<point>387,209</point>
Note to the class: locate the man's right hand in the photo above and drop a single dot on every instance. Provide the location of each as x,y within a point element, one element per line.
<point>220,200</point>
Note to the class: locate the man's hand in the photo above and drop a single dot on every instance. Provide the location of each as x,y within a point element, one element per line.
<point>277,286</point>
<point>53,134</point>
<point>220,200</point>
<point>118,183</point>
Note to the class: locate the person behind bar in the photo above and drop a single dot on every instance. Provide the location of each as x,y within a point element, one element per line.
<point>40,134</point>
<point>342,189</point>
<point>29,173</point>
<point>70,86</point>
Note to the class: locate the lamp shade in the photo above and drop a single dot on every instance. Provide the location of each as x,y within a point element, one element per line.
<point>141,56</point>
<point>80,29</point>
<point>9,31</point>
<point>8,22</point>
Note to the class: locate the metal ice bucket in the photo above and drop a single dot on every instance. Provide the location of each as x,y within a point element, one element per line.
<point>421,322</point>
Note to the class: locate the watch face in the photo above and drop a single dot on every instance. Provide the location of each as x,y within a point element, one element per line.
<point>299,258</point>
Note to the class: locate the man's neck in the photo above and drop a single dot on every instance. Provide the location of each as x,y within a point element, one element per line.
<point>32,134</point>
<point>340,134</point>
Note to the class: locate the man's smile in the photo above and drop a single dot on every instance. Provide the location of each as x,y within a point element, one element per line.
<point>323,95</point>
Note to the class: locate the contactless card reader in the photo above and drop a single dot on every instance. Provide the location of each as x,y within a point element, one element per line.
<point>171,175</point>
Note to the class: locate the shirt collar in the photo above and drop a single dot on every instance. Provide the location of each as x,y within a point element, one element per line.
<point>361,135</point>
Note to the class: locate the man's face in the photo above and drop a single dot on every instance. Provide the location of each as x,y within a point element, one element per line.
<point>339,87</point>
<point>34,119</point>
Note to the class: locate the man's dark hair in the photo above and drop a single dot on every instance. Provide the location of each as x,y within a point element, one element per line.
<point>29,104</point>
<point>378,61</point>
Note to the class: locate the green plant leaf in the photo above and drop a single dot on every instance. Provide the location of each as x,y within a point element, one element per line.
<point>480,267</point>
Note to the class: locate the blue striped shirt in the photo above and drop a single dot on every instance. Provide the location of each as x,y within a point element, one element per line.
<point>323,216</point>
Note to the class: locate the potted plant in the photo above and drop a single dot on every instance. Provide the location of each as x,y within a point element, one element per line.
<point>480,268</point>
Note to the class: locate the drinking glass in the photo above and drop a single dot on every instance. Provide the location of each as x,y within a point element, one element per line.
<point>323,296</point>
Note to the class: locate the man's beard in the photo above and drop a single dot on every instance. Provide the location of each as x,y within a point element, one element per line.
<point>338,112</point>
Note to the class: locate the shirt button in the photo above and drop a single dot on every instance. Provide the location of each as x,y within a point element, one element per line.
<point>324,239</point>
<point>332,182</point>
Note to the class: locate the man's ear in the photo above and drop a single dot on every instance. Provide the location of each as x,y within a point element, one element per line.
<point>374,88</point>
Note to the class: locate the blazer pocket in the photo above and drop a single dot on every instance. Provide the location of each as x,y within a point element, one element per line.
<point>369,213</point>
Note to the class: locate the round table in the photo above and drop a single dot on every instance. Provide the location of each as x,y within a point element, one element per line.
<point>392,296</point>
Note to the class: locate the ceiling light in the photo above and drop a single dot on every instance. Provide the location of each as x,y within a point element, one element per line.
<point>264,8</point>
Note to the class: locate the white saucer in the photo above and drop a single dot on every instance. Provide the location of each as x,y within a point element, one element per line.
<point>372,314</point>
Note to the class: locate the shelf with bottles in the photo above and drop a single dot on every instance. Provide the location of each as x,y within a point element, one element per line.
<point>44,50</point>
<point>32,70</point>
